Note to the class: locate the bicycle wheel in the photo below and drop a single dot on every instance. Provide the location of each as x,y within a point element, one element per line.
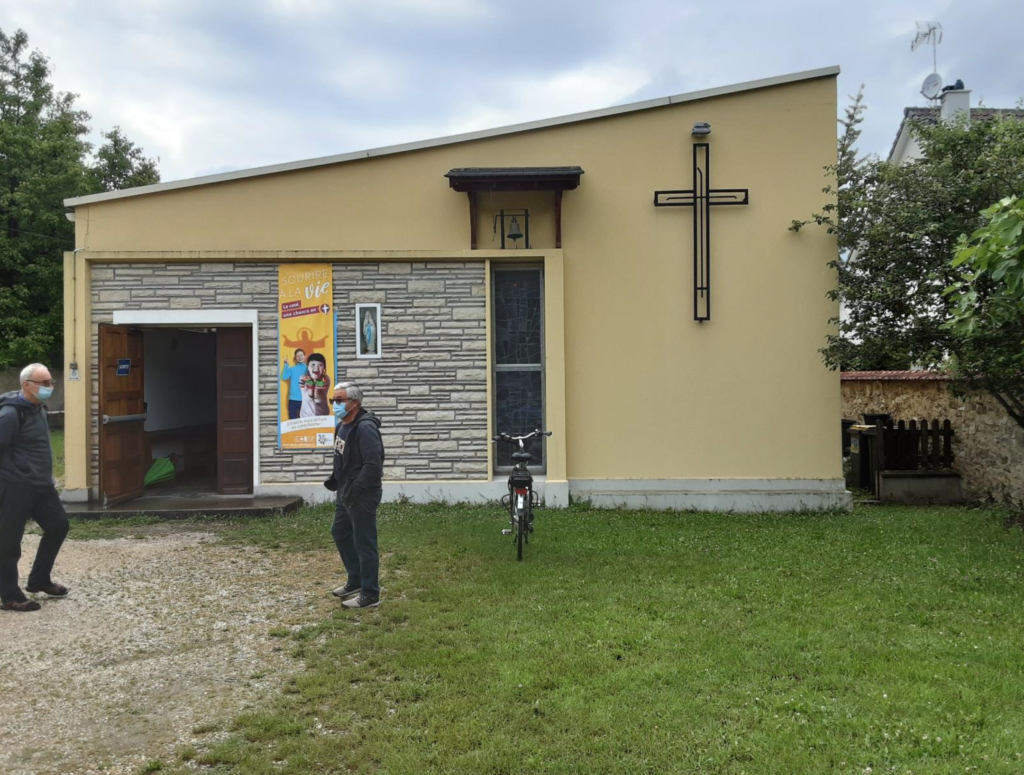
<point>520,527</point>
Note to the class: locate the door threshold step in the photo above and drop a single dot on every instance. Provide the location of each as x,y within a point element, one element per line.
<point>179,507</point>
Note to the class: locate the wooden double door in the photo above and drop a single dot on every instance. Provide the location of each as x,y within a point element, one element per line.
<point>122,412</point>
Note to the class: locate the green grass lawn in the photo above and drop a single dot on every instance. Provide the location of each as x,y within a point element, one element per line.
<point>640,642</point>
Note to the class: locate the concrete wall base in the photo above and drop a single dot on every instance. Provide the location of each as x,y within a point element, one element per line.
<point>742,495</point>
<point>75,496</point>
<point>920,487</point>
<point>555,494</point>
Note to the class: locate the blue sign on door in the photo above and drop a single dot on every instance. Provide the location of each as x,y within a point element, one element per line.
<point>124,367</point>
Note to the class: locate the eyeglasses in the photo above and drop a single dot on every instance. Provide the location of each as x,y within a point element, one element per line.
<point>340,400</point>
<point>44,383</point>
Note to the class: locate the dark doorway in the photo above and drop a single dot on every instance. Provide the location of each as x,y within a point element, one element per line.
<point>181,404</point>
<point>189,411</point>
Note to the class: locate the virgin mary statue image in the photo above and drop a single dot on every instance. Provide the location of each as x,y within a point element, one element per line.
<point>369,334</point>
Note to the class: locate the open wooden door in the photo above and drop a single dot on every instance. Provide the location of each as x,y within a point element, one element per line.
<point>122,414</point>
<point>234,411</point>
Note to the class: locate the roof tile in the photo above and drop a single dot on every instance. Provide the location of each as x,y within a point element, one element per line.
<point>888,376</point>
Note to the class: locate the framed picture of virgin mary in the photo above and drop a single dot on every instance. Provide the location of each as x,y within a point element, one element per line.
<point>367,330</point>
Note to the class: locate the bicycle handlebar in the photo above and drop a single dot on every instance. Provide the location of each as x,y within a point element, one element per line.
<point>512,439</point>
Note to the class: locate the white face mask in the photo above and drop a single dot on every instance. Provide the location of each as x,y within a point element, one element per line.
<point>42,392</point>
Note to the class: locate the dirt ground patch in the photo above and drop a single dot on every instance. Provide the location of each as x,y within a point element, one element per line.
<point>162,642</point>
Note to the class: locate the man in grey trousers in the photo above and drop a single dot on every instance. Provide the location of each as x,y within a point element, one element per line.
<point>358,467</point>
<point>27,490</point>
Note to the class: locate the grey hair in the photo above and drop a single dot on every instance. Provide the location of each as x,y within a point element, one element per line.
<point>352,390</point>
<point>28,371</point>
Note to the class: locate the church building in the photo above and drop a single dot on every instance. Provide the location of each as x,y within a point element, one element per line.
<point>624,278</point>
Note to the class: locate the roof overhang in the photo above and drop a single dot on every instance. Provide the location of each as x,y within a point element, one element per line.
<point>274,169</point>
<point>514,178</point>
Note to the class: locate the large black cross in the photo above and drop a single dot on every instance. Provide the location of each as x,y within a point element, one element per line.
<point>701,197</point>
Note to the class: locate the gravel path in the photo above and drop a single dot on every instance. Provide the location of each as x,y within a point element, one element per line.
<point>162,642</point>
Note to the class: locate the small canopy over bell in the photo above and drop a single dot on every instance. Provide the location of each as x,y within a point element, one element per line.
<point>514,232</point>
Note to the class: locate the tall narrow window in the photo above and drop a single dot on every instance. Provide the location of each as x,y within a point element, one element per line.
<point>518,362</point>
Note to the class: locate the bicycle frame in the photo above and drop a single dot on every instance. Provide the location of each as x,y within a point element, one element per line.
<point>521,496</point>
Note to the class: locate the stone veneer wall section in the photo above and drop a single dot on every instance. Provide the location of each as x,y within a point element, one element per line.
<point>429,387</point>
<point>988,447</point>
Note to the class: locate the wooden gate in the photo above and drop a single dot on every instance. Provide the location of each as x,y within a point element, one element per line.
<point>916,447</point>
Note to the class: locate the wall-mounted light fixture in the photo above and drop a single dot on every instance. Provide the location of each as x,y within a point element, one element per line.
<point>701,129</point>
<point>516,231</point>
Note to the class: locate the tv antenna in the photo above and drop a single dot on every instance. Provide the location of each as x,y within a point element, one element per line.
<point>930,32</point>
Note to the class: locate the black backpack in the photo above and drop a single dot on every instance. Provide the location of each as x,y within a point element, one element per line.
<point>8,399</point>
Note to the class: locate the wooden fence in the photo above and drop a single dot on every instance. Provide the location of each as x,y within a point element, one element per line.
<point>916,447</point>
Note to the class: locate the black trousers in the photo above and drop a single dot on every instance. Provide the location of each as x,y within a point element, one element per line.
<point>355,534</point>
<point>19,504</point>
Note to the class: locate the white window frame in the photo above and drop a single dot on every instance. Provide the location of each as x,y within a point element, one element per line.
<point>496,367</point>
<point>380,327</point>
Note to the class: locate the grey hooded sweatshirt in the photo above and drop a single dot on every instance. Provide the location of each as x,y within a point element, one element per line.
<point>26,457</point>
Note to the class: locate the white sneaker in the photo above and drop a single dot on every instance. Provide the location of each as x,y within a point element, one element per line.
<point>363,601</point>
<point>346,591</point>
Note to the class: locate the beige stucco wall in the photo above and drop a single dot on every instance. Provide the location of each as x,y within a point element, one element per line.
<point>649,393</point>
<point>988,447</point>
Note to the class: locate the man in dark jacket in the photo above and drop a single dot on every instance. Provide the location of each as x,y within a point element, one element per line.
<point>358,466</point>
<point>27,490</point>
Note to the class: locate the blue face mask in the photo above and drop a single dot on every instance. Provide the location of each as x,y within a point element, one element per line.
<point>44,393</point>
<point>340,411</point>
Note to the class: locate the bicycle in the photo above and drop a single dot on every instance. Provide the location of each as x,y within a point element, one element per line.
<point>521,499</point>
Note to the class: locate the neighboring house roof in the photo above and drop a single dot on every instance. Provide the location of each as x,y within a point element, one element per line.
<point>763,83</point>
<point>892,376</point>
<point>931,116</point>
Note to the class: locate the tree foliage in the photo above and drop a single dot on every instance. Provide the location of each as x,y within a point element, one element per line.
<point>898,227</point>
<point>988,306</point>
<point>121,164</point>
<point>45,158</point>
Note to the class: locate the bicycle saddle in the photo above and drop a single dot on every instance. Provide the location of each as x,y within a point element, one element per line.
<point>517,456</point>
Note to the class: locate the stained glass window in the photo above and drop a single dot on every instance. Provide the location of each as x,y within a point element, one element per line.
<point>518,360</point>
<point>517,317</point>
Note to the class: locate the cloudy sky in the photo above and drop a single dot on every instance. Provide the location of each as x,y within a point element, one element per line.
<point>216,85</point>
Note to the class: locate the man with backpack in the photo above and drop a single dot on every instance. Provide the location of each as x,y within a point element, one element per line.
<point>358,467</point>
<point>27,490</point>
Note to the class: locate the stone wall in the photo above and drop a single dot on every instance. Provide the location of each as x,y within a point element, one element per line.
<point>429,388</point>
<point>988,447</point>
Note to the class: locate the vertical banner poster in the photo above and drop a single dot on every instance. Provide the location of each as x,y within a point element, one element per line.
<point>306,341</point>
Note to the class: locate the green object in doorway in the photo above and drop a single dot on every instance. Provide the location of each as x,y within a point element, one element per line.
<point>162,470</point>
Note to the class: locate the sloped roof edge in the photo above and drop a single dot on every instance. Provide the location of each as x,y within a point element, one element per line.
<point>528,126</point>
<point>931,116</point>
<point>893,376</point>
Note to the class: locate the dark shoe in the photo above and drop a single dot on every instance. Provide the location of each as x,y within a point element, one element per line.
<point>21,605</point>
<point>347,591</point>
<point>51,589</point>
<point>363,601</point>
